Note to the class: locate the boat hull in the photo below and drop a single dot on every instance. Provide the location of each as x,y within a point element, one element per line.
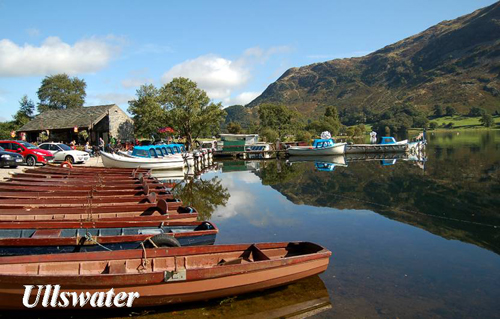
<point>400,146</point>
<point>158,288</point>
<point>337,149</point>
<point>117,161</point>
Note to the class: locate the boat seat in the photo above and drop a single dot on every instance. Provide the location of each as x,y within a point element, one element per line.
<point>224,262</point>
<point>47,233</point>
<point>116,267</point>
<point>253,253</point>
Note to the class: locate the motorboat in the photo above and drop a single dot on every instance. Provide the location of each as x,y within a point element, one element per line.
<point>323,146</point>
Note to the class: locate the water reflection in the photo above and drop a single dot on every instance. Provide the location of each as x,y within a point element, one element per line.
<point>203,194</point>
<point>400,233</point>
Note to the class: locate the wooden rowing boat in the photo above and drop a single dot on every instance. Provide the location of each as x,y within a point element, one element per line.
<point>34,238</point>
<point>70,203</point>
<point>5,187</point>
<point>90,212</point>
<point>162,276</point>
<point>81,195</point>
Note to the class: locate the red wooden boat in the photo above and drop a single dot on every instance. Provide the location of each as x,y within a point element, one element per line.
<point>81,195</point>
<point>6,187</point>
<point>32,238</point>
<point>157,208</point>
<point>82,201</point>
<point>160,276</point>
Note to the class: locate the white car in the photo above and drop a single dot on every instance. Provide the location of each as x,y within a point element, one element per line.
<point>64,153</point>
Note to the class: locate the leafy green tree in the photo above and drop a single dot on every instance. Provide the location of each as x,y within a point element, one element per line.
<point>398,119</point>
<point>252,128</point>
<point>278,118</point>
<point>438,110</point>
<point>61,92</point>
<point>269,134</point>
<point>6,128</point>
<point>234,128</point>
<point>147,112</point>
<point>477,111</point>
<point>487,120</point>
<point>433,125</point>
<point>303,136</point>
<point>189,109</point>
<point>450,110</point>
<point>329,122</point>
<point>25,112</point>
<point>420,122</point>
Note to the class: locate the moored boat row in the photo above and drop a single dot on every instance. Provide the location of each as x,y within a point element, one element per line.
<point>96,230</point>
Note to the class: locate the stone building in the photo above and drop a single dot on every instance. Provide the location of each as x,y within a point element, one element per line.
<point>66,125</point>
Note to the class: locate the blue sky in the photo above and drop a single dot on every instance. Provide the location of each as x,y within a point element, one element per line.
<point>233,49</point>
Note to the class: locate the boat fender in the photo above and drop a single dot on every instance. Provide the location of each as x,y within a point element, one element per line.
<point>161,240</point>
<point>204,226</point>
<point>66,164</point>
<point>162,206</point>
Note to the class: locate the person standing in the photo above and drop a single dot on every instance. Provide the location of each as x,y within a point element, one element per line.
<point>101,144</point>
<point>373,137</point>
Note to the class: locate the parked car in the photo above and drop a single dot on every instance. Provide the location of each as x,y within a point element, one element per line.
<point>9,159</point>
<point>31,153</point>
<point>63,152</point>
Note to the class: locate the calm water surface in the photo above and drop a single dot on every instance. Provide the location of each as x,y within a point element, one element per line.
<point>409,238</point>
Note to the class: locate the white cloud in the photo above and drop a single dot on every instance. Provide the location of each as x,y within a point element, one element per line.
<point>220,76</point>
<point>216,75</point>
<point>33,32</point>
<point>55,56</point>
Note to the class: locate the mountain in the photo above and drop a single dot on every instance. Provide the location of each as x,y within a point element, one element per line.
<point>455,63</point>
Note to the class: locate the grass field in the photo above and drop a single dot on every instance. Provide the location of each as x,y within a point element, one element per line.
<point>464,122</point>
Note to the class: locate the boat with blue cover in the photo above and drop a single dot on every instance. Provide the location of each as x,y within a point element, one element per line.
<point>323,146</point>
<point>161,151</point>
<point>42,237</point>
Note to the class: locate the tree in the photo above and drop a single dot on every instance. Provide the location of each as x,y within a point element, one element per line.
<point>61,92</point>
<point>433,125</point>
<point>398,119</point>
<point>487,120</point>
<point>477,111</point>
<point>450,110</point>
<point>234,128</point>
<point>269,135</point>
<point>438,110</point>
<point>147,112</point>
<point>278,118</point>
<point>303,136</point>
<point>189,109</point>
<point>6,128</point>
<point>25,112</point>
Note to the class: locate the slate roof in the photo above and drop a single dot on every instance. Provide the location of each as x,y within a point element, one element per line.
<point>68,118</point>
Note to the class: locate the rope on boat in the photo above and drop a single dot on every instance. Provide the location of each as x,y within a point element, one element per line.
<point>418,213</point>
<point>89,237</point>
<point>144,258</point>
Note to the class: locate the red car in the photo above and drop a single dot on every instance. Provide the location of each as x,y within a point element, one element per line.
<point>31,153</point>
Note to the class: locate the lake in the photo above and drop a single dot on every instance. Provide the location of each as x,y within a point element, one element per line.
<point>410,237</point>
